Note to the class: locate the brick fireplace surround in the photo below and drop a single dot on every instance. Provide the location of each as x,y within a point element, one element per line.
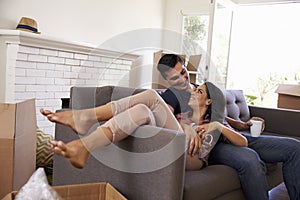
<point>44,68</point>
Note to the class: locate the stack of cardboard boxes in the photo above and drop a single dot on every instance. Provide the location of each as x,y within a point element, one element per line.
<point>18,156</point>
<point>288,96</point>
<point>17,144</point>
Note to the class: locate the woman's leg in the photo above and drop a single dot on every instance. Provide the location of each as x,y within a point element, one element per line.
<point>161,112</point>
<point>193,162</point>
<point>77,151</point>
<point>114,130</point>
<point>81,120</point>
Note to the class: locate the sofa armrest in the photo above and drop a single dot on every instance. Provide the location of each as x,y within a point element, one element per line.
<point>280,121</point>
<point>165,181</point>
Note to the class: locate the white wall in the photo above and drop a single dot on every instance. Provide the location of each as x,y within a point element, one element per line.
<point>90,21</point>
<point>104,23</point>
<point>174,8</point>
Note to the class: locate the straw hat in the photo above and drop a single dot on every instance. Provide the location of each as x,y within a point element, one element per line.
<point>28,24</point>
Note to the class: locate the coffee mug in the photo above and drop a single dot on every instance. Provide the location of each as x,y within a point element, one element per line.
<point>256,127</point>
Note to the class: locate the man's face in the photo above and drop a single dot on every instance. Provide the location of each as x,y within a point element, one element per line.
<point>178,77</point>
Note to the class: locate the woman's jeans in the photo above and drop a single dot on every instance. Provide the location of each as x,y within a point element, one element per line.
<point>249,162</point>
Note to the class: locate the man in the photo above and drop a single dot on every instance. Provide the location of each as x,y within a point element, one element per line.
<point>247,161</point>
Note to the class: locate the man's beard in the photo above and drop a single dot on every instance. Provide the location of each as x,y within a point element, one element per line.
<point>183,86</point>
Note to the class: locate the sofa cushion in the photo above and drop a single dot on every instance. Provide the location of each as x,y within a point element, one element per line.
<point>236,105</point>
<point>88,97</point>
<point>198,184</point>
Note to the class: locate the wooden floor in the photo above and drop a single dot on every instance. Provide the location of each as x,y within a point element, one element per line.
<point>279,193</point>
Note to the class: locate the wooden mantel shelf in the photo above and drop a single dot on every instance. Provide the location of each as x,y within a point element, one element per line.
<point>50,42</point>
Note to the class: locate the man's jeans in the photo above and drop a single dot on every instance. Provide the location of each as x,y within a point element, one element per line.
<point>249,163</point>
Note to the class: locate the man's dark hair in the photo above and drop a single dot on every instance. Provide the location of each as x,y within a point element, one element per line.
<point>167,62</point>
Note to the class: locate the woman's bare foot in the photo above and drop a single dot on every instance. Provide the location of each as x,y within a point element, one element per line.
<point>74,151</point>
<point>80,121</point>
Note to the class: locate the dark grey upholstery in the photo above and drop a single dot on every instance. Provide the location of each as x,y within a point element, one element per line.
<point>171,182</point>
<point>169,179</point>
<point>236,106</point>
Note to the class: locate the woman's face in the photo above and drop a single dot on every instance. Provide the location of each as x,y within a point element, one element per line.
<point>199,98</point>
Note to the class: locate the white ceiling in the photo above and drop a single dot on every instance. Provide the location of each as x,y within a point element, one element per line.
<point>263,1</point>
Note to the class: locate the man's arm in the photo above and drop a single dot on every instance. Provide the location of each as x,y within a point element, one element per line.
<point>237,124</point>
<point>240,125</point>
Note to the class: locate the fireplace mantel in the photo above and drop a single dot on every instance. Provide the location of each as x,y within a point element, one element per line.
<point>50,42</point>
<point>45,68</point>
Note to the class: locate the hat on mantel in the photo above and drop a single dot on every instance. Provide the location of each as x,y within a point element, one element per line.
<point>28,24</point>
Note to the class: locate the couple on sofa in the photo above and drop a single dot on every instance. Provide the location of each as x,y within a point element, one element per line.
<point>207,103</point>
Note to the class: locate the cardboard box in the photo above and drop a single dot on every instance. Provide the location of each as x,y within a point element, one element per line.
<point>17,144</point>
<point>90,191</point>
<point>288,96</point>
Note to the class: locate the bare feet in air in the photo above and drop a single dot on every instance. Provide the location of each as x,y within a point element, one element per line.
<point>74,151</point>
<point>79,121</point>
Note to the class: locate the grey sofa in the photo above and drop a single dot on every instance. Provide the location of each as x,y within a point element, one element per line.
<point>169,181</point>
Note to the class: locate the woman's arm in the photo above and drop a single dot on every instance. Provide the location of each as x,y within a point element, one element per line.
<point>233,136</point>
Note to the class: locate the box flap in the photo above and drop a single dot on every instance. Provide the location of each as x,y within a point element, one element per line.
<point>7,120</point>
<point>288,89</point>
<point>82,191</point>
<point>112,193</point>
<point>25,143</point>
<point>6,165</point>
<point>89,191</point>
<point>10,196</point>
<point>194,61</point>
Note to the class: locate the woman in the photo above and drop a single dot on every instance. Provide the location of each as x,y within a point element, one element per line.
<point>147,107</point>
<point>208,103</point>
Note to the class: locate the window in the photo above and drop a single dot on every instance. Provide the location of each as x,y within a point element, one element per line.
<point>195,33</point>
<point>264,51</point>
<point>211,34</point>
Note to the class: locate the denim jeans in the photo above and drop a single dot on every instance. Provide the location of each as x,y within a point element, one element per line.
<point>249,163</point>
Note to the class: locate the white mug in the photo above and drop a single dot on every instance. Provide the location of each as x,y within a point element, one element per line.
<point>256,127</point>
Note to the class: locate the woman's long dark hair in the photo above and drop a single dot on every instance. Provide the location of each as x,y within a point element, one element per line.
<point>216,110</point>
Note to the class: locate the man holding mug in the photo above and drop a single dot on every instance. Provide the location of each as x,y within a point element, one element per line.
<point>247,161</point>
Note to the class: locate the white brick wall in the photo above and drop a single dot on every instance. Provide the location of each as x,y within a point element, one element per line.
<point>47,75</point>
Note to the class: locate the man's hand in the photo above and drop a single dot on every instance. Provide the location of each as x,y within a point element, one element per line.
<point>249,123</point>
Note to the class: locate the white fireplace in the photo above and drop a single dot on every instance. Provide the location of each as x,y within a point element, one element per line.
<point>45,68</point>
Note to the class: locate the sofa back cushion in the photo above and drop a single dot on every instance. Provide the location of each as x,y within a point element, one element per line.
<point>236,106</point>
<point>88,97</point>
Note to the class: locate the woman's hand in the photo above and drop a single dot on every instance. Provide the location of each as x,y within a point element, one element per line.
<point>193,140</point>
<point>203,129</point>
<point>233,136</point>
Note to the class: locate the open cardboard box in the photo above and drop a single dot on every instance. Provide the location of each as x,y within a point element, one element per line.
<point>17,144</point>
<point>89,191</point>
<point>288,96</point>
